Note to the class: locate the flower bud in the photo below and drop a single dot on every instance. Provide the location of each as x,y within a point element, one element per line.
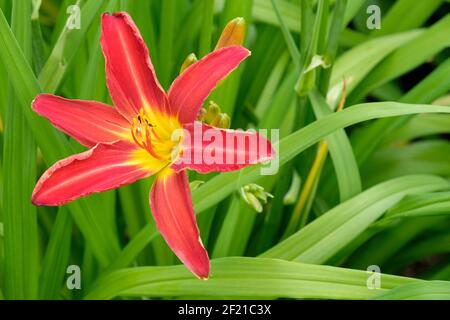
<point>201,114</point>
<point>222,120</point>
<point>212,111</point>
<point>255,196</point>
<point>213,116</point>
<point>190,59</point>
<point>233,34</point>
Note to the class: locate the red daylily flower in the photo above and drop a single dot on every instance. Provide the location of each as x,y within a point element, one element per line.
<point>133,140</point>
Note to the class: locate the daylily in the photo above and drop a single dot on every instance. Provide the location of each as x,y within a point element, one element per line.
<point>134,139</point>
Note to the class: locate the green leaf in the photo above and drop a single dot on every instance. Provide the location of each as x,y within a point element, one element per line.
<point>421,126</point>
<point>290,43</point>
<point>207,27</point>
<point>166,41</point>
<point>332,231</point>
<point>66,47</point>
<point>263,12</point>
<point>433,245</point>
<point>19,157</point>
<point>244,278</point>
<point>432,290</point>
<point>341,152</point>
<point>406,58</point>
<point>55,262</point>
<point>355,64</point>
<point>315,48</point>
<point>413,14</point>
<point>352,9</point>
<point>436,203</point>
<point>433,86</point>
<point>271,86</point>
<point>334,34</point>
<point>239,219</point>
<point>391,241</point>
<point>134,247</point>
<point>424,157</point>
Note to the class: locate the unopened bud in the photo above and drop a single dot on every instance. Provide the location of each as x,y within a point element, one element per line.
<point>190,60</point>
<point>201,114</point>
<point>212,111</point>
<point>222,120</point>
<point>255,196</point>
<point>213,116</point>
<point>233,34</point>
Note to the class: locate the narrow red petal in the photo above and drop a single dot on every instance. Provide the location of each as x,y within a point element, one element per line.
<point>104,167</point>
<point>207,149</point>
<point>171,205</point>
<point>130,74</point>
<point>89,122</point>
<point>192,87</point>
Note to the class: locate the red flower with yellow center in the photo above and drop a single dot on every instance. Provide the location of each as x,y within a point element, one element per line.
<point>134,139</point>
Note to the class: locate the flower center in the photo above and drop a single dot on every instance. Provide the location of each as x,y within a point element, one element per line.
<point>155,134</point>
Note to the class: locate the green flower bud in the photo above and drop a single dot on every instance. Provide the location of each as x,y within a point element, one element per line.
<point>255,196</point>
<point>212,111</point>
<point>190,59</point>
<point>222,120</point>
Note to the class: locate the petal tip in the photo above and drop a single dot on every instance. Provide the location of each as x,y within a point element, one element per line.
<point>244,50</point>
<point>202,269</point>
<point>119,14</point>
<point>109,16</point>
<point>202,274</point>
<point>35,201</point>
<point>34,103</point>
<point>38,201</point>
<point>105,16</point>
<point>37,101</point>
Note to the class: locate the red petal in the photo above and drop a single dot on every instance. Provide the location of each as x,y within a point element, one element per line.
<point>130,74</point>
<point>101,168</point>
<point>192,87</point>
<point>89,122</point>
<point>207,149</point>
<point>171,204</point>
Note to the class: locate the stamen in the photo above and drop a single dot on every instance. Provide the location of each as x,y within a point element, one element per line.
<point>141,131</point>
<point>155,134</point>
